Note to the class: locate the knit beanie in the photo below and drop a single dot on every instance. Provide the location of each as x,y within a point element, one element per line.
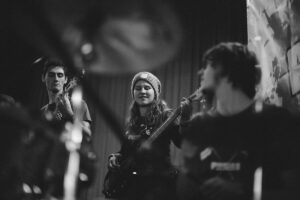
<point>151,79</point>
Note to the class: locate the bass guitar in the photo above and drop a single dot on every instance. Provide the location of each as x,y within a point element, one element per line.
<point>116,180</point>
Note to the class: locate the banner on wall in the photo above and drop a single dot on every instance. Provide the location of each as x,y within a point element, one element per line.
<point>274,34</point>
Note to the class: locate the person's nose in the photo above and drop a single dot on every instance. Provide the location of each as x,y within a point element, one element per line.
<point>143,90</point>
<point>56,77</point>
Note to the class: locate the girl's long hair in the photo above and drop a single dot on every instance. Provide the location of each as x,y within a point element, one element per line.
<point>154,117</point>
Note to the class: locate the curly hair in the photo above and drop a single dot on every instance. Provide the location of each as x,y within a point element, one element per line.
<point>157,113</point>
<point>237,63</point>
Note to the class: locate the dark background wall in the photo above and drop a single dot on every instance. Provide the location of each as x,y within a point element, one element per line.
<point>205,24</point>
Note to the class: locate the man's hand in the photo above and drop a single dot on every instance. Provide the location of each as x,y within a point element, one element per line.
<point>217,188</point>
<point>64,104</point>
<point>186,109</point>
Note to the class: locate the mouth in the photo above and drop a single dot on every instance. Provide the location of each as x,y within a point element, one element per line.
<point>143,97</point>
<point>55,84</point>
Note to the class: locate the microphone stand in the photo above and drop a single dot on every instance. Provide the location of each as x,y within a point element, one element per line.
<point>73,144</point>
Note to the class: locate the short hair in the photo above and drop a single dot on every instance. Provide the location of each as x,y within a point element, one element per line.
<point>236,62</point>
<point>51,63</point>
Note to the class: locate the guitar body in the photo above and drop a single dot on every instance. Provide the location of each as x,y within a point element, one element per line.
<point>114,184</point>
<point>136,161</point>
<point>116,181</point>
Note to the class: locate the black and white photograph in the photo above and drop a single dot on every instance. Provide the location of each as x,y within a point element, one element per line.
<point>150,100</point>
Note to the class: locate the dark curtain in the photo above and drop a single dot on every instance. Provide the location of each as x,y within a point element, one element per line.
<point>204,24</point>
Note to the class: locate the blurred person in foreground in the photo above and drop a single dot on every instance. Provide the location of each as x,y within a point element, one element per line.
<point>222,149</point>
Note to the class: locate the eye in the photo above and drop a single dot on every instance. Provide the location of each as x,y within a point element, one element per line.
<point>138,88</point>
<point>51,74</point>
<point>147,87</point>
<point>60,75</point>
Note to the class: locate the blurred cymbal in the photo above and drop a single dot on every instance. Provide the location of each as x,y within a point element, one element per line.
<point>107,36</point>
<point>134,44</point>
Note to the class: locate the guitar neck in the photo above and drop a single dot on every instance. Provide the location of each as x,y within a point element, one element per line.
<point>166,124</point>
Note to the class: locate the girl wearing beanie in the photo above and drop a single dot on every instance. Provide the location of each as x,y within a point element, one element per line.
<point>153,175</point>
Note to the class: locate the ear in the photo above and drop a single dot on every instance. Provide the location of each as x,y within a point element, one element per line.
<point>226,80</point>
<point>218,74</point>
